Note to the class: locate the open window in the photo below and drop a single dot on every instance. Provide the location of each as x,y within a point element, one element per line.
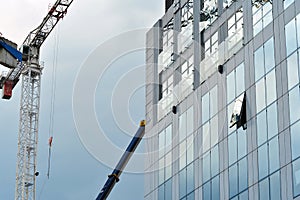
<point>238,116</point>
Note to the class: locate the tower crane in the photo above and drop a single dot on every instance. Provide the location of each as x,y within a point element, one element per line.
<point>31,71</point>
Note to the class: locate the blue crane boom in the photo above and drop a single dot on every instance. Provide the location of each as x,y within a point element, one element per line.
<point>114,177</point>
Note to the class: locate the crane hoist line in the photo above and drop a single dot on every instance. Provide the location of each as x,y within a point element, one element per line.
<point>28,69</point>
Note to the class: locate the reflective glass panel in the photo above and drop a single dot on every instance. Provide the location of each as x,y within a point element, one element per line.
<point>190,120</point>
<point>182,153</point>
<point>233,180</point>
<point>290,33</point>
<point>269,54</point>
<point>206,167</point>
<point>243,174</point>
<point>260,95</point>
<point>214,130</point>
<point>215,184</point>
<point>213,101</point>
<point>190,178</point>
<point>296,177</point>
<point>261,128</point>
<point>205,137</point>
<point>242,143</point>
<point>240,79</point>
<point>190,149</point>
<point>273,155</point>
<point>271,87</point>
<point>264,189</point>
<point>294,100</point>
<point>205,107</point>
<point>272,120</point>
<point>275,186</point>
<point>259,63</point>
<point>182,126</point>
<point>182,183</point>
<point>295,140</point>
<point>161,192</point>
<point>232,148</point>
<point>263,161</point>
<point>230,87</point>
<point>292,68</point>
<point>215,161</point>
<point>206,191</point>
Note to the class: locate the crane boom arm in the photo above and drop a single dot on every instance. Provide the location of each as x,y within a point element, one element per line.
<point>36,37</point>
<point>114,177</point>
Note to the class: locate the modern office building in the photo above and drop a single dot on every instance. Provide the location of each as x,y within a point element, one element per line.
<point>223,101</point>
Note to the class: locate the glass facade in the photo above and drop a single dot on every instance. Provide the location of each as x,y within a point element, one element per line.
<point>248,50</point>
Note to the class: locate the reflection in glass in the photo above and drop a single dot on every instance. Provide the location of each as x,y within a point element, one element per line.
<point>269,54</point>
<point>271,87</point>
<point>230,87</point>
<point>243,174</point>
<point>272,120</point>
<point>260,95</point>
<point>242,143</point>
<point>182,183</point>
<point>275,186</point>
<point>190,178</point>
<point>215,188</point>
<point>206,191</point>
<point>259,63</point>
<point>232,148</point>
<point>295,140</point>
<point>215,161</point>
<point>263,161</point>
<point>292,68</point>
<point>206,167</point>
<point>264,189</point>
<point>233,181</point>
<point>261,128</point>
<point>240,79</point>
<point>290,35</point>
<point>294,100</point>
<point>205,107</point>
<point>273,155</point>
<point>296,177</point>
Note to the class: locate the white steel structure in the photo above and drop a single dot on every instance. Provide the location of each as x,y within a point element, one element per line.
<point>30,101</point>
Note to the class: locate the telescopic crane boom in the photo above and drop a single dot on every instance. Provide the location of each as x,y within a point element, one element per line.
<point>114,177</point>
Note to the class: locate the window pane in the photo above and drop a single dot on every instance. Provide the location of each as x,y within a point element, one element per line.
<point>168,165</point>
<point>272,120</point>
<point>161,143</point>
<point>190,149</point>
<point>230,87</point>
<point>215,161</point>
<point>263,161</point>
<point>267,19</point>
<point>242,143</point>
<point>161,172</point>
<point>290,34</point>
<point>294,99</point>
<point>190,120</point>
<point>206,191</point>
<point>296,177</point>
<point>273,155</point>
<point>190,178</point>
<point>213,101</point>
<point>182,154</point>
<point>168,189</point>
<point>205,137</point>
<point>182,183</point>
<point>206,167</point>
<point>182,126</point>
<point>295,140</point>
<point>232,148</point>
<point>214,130</point>
<point>229,114</point>
<point>168,142</point>
<point>298,28</point>
<point>292,68</point>
<point>264,189</point>
<point>244,195</point>
<point>271,87</point>
<point>205,108</point>
<point>259,63</point>
<point>275,186</point>
<point>243,174</point>
<point>257,27</point>
<point>260,95</point>
<point>240,79</point>
<point>215,188</point>
<point>233,181</point>
<point>269,54</point>
<point>287,3</point>
<point>261,128</point>
<point>191,196</point>
<point>161,192</point>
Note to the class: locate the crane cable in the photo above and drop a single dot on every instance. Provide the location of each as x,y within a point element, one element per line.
<point>53,89</point>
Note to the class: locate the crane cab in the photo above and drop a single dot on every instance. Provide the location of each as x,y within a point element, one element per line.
<point>7,89</point>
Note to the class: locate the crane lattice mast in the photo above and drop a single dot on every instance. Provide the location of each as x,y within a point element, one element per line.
<point>31,72</point>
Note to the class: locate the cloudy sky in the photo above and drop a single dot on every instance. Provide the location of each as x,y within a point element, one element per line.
<point>76,172</point>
